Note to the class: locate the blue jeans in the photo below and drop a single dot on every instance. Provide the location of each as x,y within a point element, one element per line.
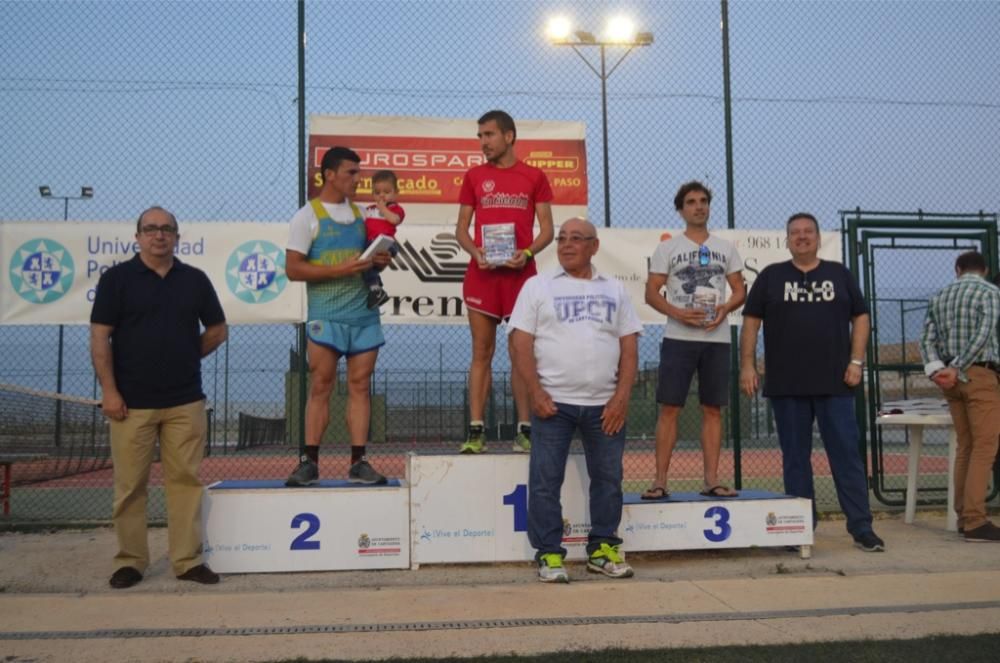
<point>550,442</point>
<point>838,429</point>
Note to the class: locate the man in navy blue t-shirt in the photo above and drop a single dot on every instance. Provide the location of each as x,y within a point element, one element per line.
<point>816,328</point>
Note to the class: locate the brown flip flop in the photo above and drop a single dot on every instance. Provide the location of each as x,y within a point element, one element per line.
<point>655,493</point>
<point>719,491</point>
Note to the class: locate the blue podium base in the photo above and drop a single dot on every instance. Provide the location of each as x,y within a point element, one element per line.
<point>635,498</point>
<point>279,484</point>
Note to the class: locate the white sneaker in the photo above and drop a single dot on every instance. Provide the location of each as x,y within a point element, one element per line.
<point>550,568</point>
<point>610,561</point>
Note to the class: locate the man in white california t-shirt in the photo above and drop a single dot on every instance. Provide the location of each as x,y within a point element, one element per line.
<point>694,267</point>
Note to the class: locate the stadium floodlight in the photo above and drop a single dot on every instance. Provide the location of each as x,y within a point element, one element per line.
<point>620,32</point>
<point>558,29</point>
<point>86,193</point>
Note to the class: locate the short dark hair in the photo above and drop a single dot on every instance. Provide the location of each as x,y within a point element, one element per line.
<point>334,157</point>
<point>385,176</point>
<point>503,119</point>
<point>971,261</point>
<point>154,208</point>
<point>801,215</point>
<point>688,187</point>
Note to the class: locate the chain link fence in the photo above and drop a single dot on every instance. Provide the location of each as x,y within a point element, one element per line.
<point>195,105</point>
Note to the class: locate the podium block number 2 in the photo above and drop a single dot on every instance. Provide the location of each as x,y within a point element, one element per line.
<point>302,542</point>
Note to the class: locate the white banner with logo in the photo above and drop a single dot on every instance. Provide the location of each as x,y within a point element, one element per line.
<point>425,280</point>
<point>53,268</point>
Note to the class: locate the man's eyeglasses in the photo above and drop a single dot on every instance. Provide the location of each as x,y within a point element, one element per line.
<point>165,229</point>
<point>573,239</point>
<point>703,255</point>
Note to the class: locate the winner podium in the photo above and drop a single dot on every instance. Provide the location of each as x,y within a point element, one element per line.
<point>465,509</point>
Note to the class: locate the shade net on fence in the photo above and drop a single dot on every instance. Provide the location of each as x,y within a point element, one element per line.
<point>195,106</point>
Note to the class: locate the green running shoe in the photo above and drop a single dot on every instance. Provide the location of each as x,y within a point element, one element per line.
<point>610,561</point>
<point>550,568</point>
<point>476,444</point>
<point>522,441</point>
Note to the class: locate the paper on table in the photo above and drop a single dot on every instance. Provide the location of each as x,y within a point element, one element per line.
<point>914,406</point>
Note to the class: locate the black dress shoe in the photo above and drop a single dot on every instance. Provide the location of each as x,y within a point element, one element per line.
<point>125,577</point>
<point>200,574</point>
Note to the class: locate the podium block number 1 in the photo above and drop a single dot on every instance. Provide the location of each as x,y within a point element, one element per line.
<point>519,500</point>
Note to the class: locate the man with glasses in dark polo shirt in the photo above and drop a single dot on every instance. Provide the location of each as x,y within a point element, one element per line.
<point>146,343</point>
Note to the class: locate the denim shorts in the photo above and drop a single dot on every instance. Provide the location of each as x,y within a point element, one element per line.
<point>345,339</point>
<point>678,362</point>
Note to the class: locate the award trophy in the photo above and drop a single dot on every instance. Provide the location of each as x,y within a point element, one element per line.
<point>498,243</point>
<point>706,298</point>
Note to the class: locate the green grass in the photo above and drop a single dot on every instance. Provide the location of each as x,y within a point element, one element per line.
<point>967,649</point>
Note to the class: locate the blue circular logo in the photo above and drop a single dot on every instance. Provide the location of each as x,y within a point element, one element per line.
<point>255,272</point>
<point>41,271</point>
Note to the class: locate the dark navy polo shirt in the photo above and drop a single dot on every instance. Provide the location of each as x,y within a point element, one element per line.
<point>156,342</point>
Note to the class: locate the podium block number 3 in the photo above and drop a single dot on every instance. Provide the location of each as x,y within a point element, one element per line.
<point>302,542</point>
<point>722,529</point>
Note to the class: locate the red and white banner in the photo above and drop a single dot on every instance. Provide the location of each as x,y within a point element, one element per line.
<point>431,155</point>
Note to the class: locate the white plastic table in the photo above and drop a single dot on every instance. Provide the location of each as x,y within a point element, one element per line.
<point>917,415</point>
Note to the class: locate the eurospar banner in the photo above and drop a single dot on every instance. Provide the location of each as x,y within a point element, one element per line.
<point>431,155</point>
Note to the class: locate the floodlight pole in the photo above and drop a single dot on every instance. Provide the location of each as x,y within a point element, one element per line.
<point>86,193</point>
<point>604,74</point>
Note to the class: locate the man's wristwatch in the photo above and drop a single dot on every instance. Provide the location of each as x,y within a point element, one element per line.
<point>858,362</point>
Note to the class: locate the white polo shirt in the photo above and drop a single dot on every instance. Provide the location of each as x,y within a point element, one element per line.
<point>577,325</point>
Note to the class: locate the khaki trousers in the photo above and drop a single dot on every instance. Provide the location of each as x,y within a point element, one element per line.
<point>181,431</point>
<point>975,410</point>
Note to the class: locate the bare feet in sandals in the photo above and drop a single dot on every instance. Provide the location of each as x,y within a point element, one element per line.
<point>656,493</point>
<point>719,491</point>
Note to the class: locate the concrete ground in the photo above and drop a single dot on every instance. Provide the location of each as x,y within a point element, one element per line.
<point>55,603</point>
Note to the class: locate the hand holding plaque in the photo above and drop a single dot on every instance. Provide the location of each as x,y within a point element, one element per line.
<point>499,244</point>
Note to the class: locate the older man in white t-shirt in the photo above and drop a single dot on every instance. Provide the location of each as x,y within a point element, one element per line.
<point>575,342</point>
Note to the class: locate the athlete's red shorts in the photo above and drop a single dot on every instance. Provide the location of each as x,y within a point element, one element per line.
<point>494,291</point>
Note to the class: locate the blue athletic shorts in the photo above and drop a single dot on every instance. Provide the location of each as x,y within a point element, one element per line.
<point>345,339</point>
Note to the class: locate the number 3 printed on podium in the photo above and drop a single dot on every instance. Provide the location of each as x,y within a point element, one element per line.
<point>722,529</point>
